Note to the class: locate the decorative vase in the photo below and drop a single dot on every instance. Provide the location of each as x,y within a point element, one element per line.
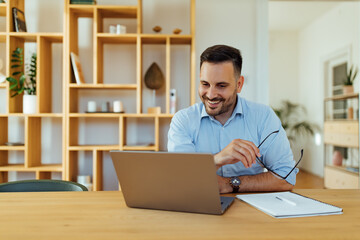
<point>29,104</point>
<point>348,89</point>
<point>337,159</point>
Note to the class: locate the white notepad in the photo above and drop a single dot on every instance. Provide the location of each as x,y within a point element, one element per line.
<point>288,205</point>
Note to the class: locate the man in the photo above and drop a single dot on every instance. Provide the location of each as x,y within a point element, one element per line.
<point>232,128</point>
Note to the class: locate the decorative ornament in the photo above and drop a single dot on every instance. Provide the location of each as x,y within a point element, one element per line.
<point>337,158</point>
<point>154,78</point>
<point>157,29</point>
<point>177,31</point>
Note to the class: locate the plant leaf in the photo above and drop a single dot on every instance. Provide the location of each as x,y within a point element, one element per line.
<point>22,80</point>
<point>15,66</point>
<point>11,80</point>
<point>16,73</point>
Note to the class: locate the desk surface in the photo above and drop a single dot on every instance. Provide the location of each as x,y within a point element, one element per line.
<point>104,215</point>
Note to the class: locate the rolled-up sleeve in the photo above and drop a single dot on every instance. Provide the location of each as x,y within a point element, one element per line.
<point>276,151</point>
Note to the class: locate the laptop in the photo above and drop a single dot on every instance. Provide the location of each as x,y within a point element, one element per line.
<point>184,182</point>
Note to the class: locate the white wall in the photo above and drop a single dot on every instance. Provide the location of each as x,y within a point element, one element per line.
<point>239,23</point>
<point>333,31</point>
<point>236,23</point>
<point>283,67</point>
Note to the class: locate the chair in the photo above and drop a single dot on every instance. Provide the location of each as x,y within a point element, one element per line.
<point>41,186</point>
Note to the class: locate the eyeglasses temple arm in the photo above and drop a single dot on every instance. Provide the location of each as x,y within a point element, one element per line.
<point>267,137</point>
<point>302,151</point>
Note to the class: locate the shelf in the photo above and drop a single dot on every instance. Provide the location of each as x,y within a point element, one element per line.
<point>147,115</point>
<point>32,37</point>
<point>104,86</point>
<point>28,37</point>
<point>52,115</point>
<point>341,133</point>
<point>53,37</point>
<point>139,148</point>
<point>165,115</point>
<point>342,120</point>
<point>12,148</point>
<point>94,147</point>
<point>2,9</point>
<point>84,10</point>
<point>42,168</point>
<point>128,38</point>
<point>3,85</point>
<point>342,97</point>
<point>161,39</point>
<point>95,115</point>
<point>117,115</point>
<point>340,178</point>
<point>117,11</point>
<point>344,169</point>
<point>180,39</point>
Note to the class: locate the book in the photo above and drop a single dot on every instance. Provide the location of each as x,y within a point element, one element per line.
<point>92,2</point>
<point>76,66</point>
<point>19,20</point>
<point>289,205</point>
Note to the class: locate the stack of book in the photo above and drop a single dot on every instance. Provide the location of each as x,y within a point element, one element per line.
<point>83,2</point>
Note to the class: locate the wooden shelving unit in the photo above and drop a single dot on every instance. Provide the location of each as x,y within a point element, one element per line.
<point>32,123</point>
<point>342,133</point>
<point>71,115</point>
<point>101,37</point>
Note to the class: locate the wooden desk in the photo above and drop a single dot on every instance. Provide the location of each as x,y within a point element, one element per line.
<point>103,215</point>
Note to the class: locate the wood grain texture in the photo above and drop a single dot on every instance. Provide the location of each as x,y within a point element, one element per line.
<point>104,215</point>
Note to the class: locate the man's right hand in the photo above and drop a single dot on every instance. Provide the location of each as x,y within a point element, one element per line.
<point>238,151</point>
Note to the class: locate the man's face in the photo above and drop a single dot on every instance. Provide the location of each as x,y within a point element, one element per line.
<point>218,88</point>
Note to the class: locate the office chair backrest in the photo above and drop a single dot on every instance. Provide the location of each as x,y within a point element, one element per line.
<point>41,186</point>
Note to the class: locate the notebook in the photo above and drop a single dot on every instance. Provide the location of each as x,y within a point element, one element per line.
<point>289,205</point>
<point>185,182</point>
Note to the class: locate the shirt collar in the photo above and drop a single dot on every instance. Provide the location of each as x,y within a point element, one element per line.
<point>237,110</point>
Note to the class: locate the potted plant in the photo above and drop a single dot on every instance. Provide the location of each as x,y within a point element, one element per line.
<point>18,82</point>
<point>348,87</point>
<point>290,116</point>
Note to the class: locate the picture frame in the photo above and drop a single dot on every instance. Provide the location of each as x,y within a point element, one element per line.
<point>77,69</point>
<point>19,20</point>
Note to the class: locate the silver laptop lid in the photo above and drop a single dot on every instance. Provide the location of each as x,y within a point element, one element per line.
<point>169,181</point>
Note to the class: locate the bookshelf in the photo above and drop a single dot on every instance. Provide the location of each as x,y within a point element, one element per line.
<point>135,40</point>
<point>70,115</point>
<point>341,140</point>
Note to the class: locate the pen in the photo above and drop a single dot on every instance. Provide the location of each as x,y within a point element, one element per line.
<point>286,200</point>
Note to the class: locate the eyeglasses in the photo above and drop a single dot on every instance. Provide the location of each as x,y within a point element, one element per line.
<point>274,173</point>
<point>263,165</point>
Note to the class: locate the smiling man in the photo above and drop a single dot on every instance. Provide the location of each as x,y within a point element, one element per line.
<point>245,137</point>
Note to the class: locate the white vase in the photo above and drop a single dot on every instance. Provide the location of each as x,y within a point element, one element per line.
<point>29,104</point>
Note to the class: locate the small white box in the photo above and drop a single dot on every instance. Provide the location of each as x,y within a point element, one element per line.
<point>91,106</point>
<point>118,107</point>
<point>112,29</point>
<point>120,29</point>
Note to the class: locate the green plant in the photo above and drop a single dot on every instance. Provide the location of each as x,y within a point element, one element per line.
<point>290,115</point>
<point>350,76</point>
<point>18,83</point>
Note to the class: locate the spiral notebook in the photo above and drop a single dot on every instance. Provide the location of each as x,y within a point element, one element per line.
<point>289,205</point>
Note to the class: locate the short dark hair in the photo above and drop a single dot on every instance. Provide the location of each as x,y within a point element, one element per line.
<point>223,53</point>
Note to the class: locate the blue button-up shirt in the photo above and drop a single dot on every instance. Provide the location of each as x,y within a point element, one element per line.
<point>193,130</point>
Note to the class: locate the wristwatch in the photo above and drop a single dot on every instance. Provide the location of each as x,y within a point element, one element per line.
<point>235,184</point>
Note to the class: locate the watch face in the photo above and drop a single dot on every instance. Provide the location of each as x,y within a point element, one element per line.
<point>235,181</point>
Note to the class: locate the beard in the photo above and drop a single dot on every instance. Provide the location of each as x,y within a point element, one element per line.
<point>224,105</point>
